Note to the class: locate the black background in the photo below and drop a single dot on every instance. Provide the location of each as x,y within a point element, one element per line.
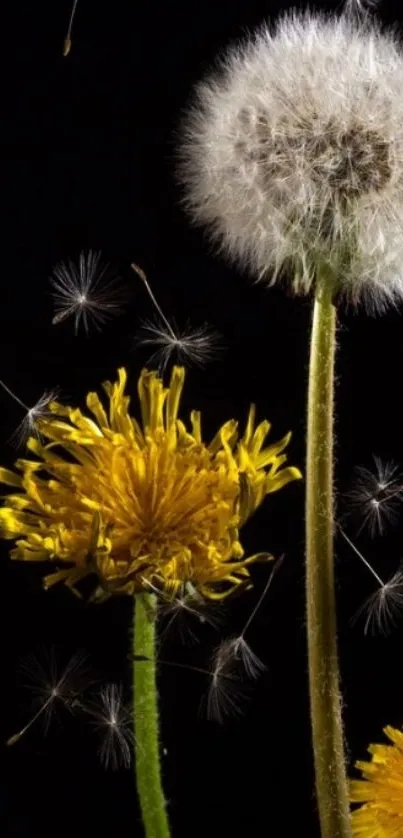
<point>88,147</point>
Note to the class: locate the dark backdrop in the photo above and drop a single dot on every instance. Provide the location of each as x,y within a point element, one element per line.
<point>88,157</point>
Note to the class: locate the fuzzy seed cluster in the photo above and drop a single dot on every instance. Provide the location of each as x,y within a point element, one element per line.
<point>291,154</point>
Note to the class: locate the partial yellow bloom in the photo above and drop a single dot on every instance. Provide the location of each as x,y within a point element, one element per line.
<point>143,506</point>
<point>381,790</point>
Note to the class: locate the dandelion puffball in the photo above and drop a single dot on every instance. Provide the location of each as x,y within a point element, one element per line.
<point>292,154</point>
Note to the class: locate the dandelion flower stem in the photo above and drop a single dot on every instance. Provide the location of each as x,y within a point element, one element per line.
<point>146,728</point>
<point>325,704</point>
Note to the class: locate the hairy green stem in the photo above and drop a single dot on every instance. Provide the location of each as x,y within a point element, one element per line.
<point>146,727</point>
<point>325,701</point>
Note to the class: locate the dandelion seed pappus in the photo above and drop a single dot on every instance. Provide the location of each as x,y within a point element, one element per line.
<point>29,424</point>
<point>89,290</point>
<point>186,612</point>
<point>383,607</point>
<point>53,685</point>
<point>112,719</point>
<point>191,345</point>
<point>375,497</point>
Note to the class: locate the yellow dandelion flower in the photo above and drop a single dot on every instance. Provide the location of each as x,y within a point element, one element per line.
<point>143,506</point>
<point>381,790</point>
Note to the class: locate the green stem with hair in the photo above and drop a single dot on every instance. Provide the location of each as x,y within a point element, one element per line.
<point>146,722</point>
<point>325,700</point>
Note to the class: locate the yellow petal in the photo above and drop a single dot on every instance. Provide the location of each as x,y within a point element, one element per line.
<point>174,396</point>
<point>95,406</point>
<point>395,736</point>
<point>13,522</point>
<point>247,437</point>
<point>271,452</point>
<point>247,498</point>
<point>228,431</point>
<point>259,557</point>
<point>273,484</point>
<point>18,501</point>
<point>10,478</point>
<point>259,437</point>
<point>195,418</point>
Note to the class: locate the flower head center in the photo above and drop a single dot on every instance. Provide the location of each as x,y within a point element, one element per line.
<point>349,161</point>
<point>353,162</point>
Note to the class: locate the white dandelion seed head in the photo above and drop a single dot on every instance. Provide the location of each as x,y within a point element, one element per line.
<point>292,155</point>
<point>88,290</point>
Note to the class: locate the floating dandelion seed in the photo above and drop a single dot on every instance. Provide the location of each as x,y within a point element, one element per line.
<point>234,649</point>
<point>385,605</point>
<point>225,695</point>
<point>39,410</point>
<point>88,290</point>
<point>50,686</point>
<point>383,608</point>
<point>376,496</point>
<point>113,721</point>
<point>180,609</point>
<point>227,692</point>
<point>67,40</point>
<point>189,605</point>
<point>193,345</point>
